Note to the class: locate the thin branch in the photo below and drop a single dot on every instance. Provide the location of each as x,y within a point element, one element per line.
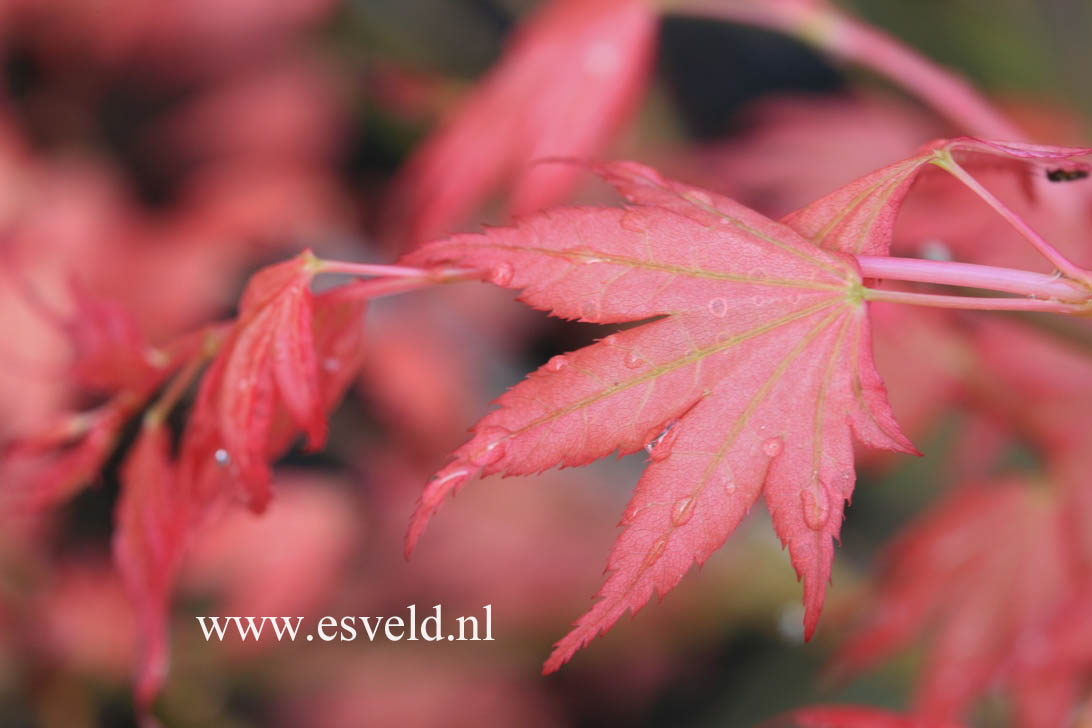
<point>843,36</point>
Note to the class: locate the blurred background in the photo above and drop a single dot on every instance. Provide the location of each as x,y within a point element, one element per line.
<point>160,152</point>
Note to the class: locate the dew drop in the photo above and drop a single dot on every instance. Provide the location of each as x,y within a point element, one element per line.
<point>683,510</point>
<point>729,486</point>
<point>656,551</point>
<point>492,448</point>
<point>661,448</point>
<point>700,197</point>
<point>557,363</point>
<point>633,361</point>
<point>816,508</point>
<point>611,340</point>
<point>718,307</point>
<point>590,311</point>
<point>772,447</point>
<point>222,457</point>
<point>501,274</point>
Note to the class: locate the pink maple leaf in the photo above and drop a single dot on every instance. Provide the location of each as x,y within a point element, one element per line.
<point>154,520</point>
<point>569,79</point>
<point>753,380</point>
<point>285,363</point>
<point>984,569</point>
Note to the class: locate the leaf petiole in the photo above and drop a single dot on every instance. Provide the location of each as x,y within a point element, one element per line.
<point>998,303</point>
<point>391,285</point>
<point>970,275</point>
<point>947,162</point>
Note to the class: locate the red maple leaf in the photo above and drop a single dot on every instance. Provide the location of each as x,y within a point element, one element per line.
<point>285,363</point>
<point>859,218</point>
<point>52,464</point>
<point>110,354</point>
<point>752,380</point>
<point>569,79</point>
<point>155,518</point>
<point>985,568</point>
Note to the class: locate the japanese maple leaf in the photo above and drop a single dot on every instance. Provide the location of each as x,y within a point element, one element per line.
<point>569,79</point>
<point>154,520</point>
<point>268,361</point>
<point>110,354</point>
<point>52,464</point>
<point>109,350</point>
<point>981,572</point>
<point>285,364</point>
<point>752,380</point>
<point>303,350</point>
<point>859,218</point>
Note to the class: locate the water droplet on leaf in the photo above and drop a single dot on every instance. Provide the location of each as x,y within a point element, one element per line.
<point>683,510</point>
<point>656,551</point>
<point>501,274</point>
<point>490,446</point>
<point>633,361</point>
<point>222,457</point>
<point>557,363</point>
<point>700,197</point>
<point>816,508</point>
<point>718,307</point>
<point>661,448</point>
<point>772,447</point>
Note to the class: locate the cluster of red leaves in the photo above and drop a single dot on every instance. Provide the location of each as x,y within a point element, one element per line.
<point>276,371</point>
<point>96,287</point>
<point>751,374</point>
<point>284,363</point>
